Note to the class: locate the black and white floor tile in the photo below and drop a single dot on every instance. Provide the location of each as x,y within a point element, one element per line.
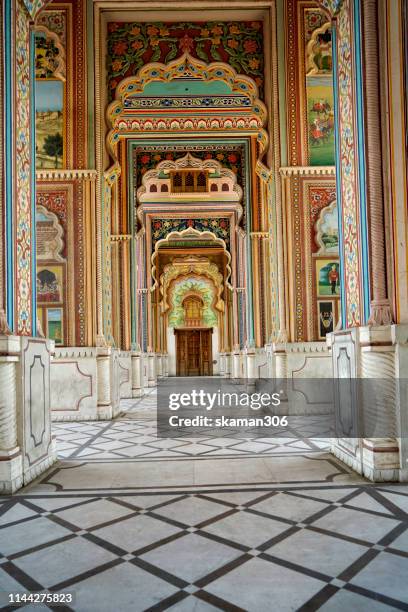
<point>134,436</point>
<point>133,525</point>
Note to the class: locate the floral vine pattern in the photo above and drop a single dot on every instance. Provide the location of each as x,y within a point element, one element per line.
<point>220,226</point>
<point>132,45</point>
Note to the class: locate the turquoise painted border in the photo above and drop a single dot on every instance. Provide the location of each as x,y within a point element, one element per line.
<point>248,188</point>
<point>8,161</point>
<point>363,230</point>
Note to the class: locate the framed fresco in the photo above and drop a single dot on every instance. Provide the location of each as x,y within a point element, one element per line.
<point>50,284</point>
<point>49,123</point>
<point>328,277</point>
<point>327,231</point>
<point>55,325</point>
<point>320,120</point>
<point>326,318</point>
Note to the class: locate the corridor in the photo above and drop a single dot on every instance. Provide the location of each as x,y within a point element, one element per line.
<point>203,524</point>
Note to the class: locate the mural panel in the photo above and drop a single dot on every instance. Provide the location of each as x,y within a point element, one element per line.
<point>132,45</point>
<point>320,118</point>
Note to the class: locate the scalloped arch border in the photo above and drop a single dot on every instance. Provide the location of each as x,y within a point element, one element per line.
<point>195,68</point>
<point>182,235</point>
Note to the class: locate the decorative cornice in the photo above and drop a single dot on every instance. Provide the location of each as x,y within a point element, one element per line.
<point>64,175</point>
<point>308,171</point>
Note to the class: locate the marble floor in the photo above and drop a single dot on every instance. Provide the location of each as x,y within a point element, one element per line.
<point>127,521</point>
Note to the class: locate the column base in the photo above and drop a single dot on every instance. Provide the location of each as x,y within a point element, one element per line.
<point>11,471</point>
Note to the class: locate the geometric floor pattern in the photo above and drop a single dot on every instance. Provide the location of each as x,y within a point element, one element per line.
<point>134,436</point>
<point>312,537</point>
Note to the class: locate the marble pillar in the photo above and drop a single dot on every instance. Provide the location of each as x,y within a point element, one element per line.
<point>103,368</point>
<point>26,445</point>
<point>379,354</point>
<point>151,370</point>
<point>137,378</point>
<point>236,364</point>
<point>251,370</point>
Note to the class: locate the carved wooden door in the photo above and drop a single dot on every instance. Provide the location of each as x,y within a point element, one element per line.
<point>194,352</point>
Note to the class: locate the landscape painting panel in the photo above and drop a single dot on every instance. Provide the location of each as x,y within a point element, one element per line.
<point>49,122</point>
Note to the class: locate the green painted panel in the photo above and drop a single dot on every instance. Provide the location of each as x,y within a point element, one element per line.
<point>185,87</point>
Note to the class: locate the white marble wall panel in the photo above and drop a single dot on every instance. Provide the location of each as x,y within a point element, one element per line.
<point>125,375</point>
<point>34,412</point>
<point>74,384</point>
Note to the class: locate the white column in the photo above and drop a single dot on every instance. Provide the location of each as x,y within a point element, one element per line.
<point>159,364</point>
<point>236,364</point>
<point>137,378</point>
<point>281,358</point>
<point>103,368</point>
<point>27,448</point>
<point>222,364</point>
<point>165,364</point>
<point>251,371</point>
<point>227,362</point>
<point>151,370</point>
<point>11,470</point>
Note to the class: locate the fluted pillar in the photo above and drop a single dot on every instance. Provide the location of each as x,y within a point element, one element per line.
<point>380,309</point>
<point>11,477</point>
<point>381,454</point>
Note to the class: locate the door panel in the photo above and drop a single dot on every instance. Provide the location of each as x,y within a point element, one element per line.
<point>194,352</point>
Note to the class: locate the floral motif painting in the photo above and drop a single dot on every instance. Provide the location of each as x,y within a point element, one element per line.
<point>192,285</point>
<point>219,226</point>
<point>132,45</point>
